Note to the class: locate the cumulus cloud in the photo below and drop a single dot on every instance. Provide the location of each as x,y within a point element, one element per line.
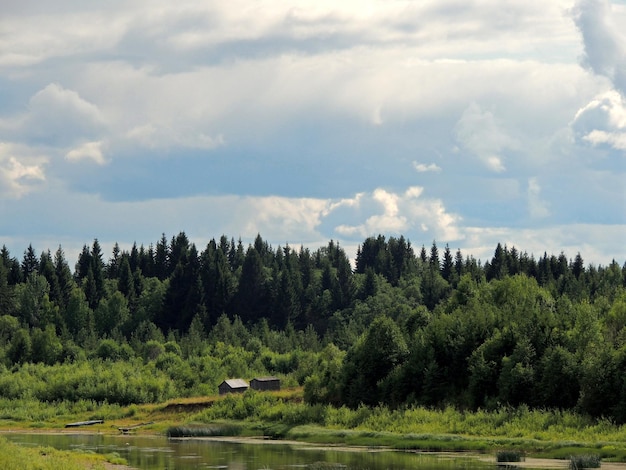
<point>403,213</point>
<point>18,178</point>
<point>326,86</point>
<point>603,121</point>
<point>56,116</point>
<point>480,133</point>
<point>605,45</point>
<point>88,151</point>
<point>424,168</point>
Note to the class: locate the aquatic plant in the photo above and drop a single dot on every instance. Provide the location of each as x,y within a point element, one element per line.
<point>578,462</point>
<point>509,456</point>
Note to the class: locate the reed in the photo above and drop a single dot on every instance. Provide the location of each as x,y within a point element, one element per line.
<point>203,431</point>
<point>509,456</point>
<point>579,462</point>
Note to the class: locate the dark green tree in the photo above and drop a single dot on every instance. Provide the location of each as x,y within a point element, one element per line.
<point>370,361</point>
<point>64,278</point>
<point>447,266</point>
<point>252,298</point>
<point>30,262</point>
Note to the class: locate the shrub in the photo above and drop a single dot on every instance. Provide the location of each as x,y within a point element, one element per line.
<point>203,431</point>
<point>509,456</point>
<point>577,462</point>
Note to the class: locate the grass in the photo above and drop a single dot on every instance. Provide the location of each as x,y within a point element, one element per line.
<point>203,431</point>
<point>16,457</point>
<point>283,415</point>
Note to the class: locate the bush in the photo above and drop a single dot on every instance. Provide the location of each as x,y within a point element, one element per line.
<point>509,456</point>
<point>577,462</point>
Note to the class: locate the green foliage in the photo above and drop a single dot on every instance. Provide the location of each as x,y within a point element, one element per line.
<point>203,431</point>
<point>509,456</point>
<point>403,329</point>
<point>578,462</point>
<point>16,457</point>
<point>370,360</point>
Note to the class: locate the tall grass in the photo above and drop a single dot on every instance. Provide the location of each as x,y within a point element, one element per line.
<point>579,462</point>
<point>203,431</point>
<point>535,428</point>
<point>15,457</point>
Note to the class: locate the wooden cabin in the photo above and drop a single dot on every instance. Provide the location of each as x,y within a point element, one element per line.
<point>233,386</point>
<point>265,383</point>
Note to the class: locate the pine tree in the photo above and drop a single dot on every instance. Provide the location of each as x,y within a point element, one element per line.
<point>30,263</point>
<point>64,278</point>
<point>447,266</point>
<point>126,281</point>
<point>12,265</point>
<point>458,263</point>
<point>47,269</point>
<point>7,299</point>
<point>133,259</point>
<point>146,261</point>
<point>114,262</point>
<point>251,299</point>
<point>97,268</point>
<point>434,257</point>
<point>578,267</point>
<point>83,264</point>
<point>498,268</point>
<point>161,256</point>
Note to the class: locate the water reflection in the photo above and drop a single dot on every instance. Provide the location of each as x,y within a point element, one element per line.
<point>160,453</point>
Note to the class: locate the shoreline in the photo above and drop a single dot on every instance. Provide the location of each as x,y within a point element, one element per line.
<point>528,462</point>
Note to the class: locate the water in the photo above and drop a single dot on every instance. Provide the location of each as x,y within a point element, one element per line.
<point>147,452</point>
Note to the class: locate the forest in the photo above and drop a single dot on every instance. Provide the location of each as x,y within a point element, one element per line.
<point>399,327</point>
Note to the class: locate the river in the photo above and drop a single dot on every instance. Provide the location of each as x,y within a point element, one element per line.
<point>153,452</point>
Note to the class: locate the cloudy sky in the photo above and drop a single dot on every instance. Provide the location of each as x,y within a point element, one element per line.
<point>468,122</point>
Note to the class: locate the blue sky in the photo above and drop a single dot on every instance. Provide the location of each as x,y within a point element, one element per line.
<point>469,123</point>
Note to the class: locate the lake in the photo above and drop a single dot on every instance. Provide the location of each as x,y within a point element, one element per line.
<point>153,452</point>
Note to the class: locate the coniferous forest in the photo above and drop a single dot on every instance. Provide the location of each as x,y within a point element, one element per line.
<point>399,327</point>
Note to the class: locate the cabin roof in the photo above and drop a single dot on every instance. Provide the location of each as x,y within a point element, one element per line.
<point>266,379</point>
<point>236,383</point>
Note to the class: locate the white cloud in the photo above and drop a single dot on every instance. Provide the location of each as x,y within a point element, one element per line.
<point>56,117</point>
<point>403,214</point>
<point>537,208</point>
<point>423,167</point>
<point>293,219</point>
<point>154,78</point>
<point>605,45</point>
<point>296,221</point>
<point>603,121</point>
<point>617,140</point>
<point>88,151</point>
<point>480,133</point>
<point>18,178</point>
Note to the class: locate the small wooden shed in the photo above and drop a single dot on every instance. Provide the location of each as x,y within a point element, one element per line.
<point>265,383</point>
<point>233,386</point>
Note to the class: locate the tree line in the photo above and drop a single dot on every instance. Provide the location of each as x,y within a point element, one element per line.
<point>430,327</point>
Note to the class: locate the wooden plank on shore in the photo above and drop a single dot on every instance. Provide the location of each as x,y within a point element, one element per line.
<point>84,423</point>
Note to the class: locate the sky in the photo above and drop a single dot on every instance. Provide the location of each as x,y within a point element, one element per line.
<point>465,122</point>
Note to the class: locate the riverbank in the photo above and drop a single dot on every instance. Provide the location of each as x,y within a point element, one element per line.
<point>284,417</point>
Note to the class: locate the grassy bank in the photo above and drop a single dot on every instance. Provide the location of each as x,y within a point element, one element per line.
<point>15,457</point>
<point>539,433</point>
